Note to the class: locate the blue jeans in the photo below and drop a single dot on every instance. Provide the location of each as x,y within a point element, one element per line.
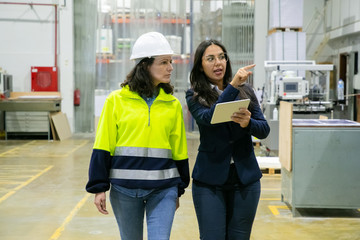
<point>130,205</point>
<point>225,212</point>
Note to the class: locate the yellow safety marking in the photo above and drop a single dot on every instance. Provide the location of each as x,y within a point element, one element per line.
<point>274,209</point>
<point>271,189</point>
<point>6,196</point>
<point>13,152</point>
<point>79,146</point>
<point>270,199</point>
<point>66,154</point>
<point>58,231</point>
<point>11,192</point>
<point>275,176</point>
<point>12,177</point>
<point>16,167</point>
<point>10,182</point>
<point>15,148</point>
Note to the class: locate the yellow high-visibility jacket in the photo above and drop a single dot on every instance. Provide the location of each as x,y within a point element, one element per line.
<point>137,146</point>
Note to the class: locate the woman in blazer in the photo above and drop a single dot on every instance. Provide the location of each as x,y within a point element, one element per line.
<point>226,175</point>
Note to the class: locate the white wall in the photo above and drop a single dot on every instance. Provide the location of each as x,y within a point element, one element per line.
<point>314,26</point>
<point>260,33</point>
<point>66,60</point>
<point>343,26</point>
<point>28,39</point>
<point>343,18</point>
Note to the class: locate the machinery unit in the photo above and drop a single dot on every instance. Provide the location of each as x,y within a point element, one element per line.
<point>312,152</point>
<point>303,83</point>
<point>293,88</point>
<point>297,80</point>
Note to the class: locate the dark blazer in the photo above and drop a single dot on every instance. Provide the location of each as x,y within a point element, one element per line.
<point>219,142</point>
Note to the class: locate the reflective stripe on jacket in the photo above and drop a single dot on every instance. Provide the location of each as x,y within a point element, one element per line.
<point>137,146</point>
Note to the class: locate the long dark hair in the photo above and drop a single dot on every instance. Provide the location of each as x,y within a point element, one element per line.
<point>200,83</point>
<point>140,80</point>
<point>198,79</point>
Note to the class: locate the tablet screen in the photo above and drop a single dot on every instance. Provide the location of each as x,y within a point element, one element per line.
<point>224,111</point>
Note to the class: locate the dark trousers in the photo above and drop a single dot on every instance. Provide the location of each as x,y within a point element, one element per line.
<point>226,212</point>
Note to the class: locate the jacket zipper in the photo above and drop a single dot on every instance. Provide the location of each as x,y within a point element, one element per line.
<point>150,107</point>
<point>149,115</point>
<point>139,99</point>
<point>153,104</point>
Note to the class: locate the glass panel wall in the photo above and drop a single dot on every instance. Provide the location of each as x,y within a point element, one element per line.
<point>85,12</point>
<point>121,22</point>
<point>238,32</point>
<point>185,23</point>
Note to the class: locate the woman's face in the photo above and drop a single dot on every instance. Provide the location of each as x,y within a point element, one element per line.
<point>161,69</point>
<point>214,64</point>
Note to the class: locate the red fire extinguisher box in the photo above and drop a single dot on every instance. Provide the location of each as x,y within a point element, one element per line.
<point>44,79</point>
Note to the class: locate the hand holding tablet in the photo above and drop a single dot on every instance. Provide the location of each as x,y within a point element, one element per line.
<point>224,111</point>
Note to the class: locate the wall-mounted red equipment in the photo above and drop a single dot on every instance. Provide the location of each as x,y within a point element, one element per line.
<point>77,97</point>
<point>44,79</point>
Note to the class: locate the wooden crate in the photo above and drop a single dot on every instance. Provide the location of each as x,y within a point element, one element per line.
<point>273,30</point>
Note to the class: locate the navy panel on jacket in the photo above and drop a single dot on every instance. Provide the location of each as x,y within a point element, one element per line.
<point>99,172</point>
<point>220,142</point>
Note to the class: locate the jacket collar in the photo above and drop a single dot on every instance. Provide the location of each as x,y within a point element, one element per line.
<point>125,92</point>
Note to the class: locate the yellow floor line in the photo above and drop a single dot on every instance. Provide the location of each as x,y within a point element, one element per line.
<point>79,146</point>
<point>270,199</point>
<point>83,143</point>
<point>4,178</point>
<point>274,209</point>
<point>271,189</point>
<point>272,176</point>
<point>10,182</point>
<point>59,231</point>
<point>33,178</point>
<point>24,184</point>
<point>69,152</point>
<point>26,167</point>
<point>15,148</point>
<point>6,196</point>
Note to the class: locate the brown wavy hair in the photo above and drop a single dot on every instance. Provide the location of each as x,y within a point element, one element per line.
<point>140,80</point>
<point>198,79</point>
<point>200,83</point>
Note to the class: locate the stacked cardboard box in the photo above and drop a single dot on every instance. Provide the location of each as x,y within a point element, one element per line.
<point>286,46</point>
<point>285,14</point>
<point>285,40</point>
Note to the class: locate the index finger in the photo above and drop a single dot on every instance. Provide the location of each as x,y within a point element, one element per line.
<point>248,67</point>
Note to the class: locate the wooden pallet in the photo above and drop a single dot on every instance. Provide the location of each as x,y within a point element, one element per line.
<point>104,57</point>
<point>271,171</point>
<point>273,30</point>
<point>256,142</point>
<point>269,165</point>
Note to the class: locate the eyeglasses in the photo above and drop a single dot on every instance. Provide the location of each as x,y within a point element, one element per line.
<point>210,59</point>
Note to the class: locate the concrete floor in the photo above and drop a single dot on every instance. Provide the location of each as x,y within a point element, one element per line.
<point>42,197</point>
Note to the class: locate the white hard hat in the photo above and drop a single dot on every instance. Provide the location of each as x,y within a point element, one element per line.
<point>150,44</point>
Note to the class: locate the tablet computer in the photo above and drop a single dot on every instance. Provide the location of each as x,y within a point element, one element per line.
<point>224,111</point>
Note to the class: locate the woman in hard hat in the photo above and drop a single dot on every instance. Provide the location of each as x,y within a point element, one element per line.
<point>226,175</point>
<point>140,147</point>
